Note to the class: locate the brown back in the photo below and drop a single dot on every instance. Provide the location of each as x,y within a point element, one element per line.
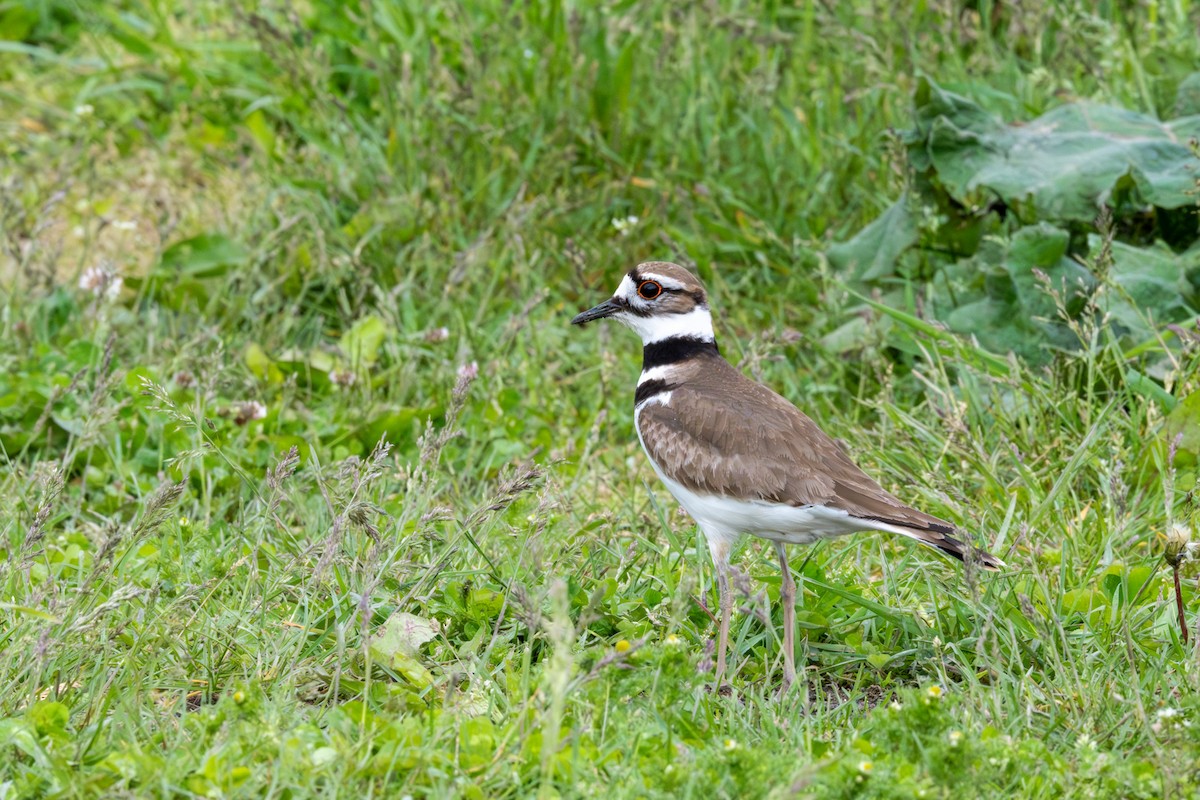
<point>740,439</point>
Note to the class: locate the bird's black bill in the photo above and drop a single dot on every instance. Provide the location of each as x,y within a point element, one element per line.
<point>605,309</point>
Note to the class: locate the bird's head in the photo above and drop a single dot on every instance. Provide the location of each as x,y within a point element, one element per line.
<point>658,300</point>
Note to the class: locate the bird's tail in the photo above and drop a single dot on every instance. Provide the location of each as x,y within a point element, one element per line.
<point>955,547</point>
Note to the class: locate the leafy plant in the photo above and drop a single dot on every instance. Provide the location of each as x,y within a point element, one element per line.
<point>1024,228</point>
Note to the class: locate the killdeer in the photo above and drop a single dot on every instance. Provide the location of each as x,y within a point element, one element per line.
<point>737,456</point>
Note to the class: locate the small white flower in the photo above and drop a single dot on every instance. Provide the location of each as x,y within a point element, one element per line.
<point>93,279</point>
<point>624,224</point>
<point>895,705</point>
<point>124,224</point>
<point>434,335</point>
<point>673,641</point>
<point>84,110</point>
<point>955,738</point>
<point>101,282</point>
<point>865,767</point>
<point>731,745</point>
<point>249,411</point>
<point>527,53</point>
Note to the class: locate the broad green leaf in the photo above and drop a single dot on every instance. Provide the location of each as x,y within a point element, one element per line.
<point>995,364</point>
<point>397,425</point>
<point>1187,96</point>
<point>1082,601</point>
<point>204,256</point>
<point>1153,286</point>
<point>261,364</point>
<point>1122,584</point>
<point>16,22</point>
<point>486,602</point>
<point>362,342</point>
<point>991,322</point>
<point>411,670</point>
<point>1061,166</point>
<point>398,643</point>
<point>851,336</point>
<point>476,742</point>
<point>810,622</point>
<point>322,361</point>
<point>1042,248</point>
<point>21,735</point>
<point>49,717</point>
<point>403,633</point>
<point>1182,430</point>
<point>872,254</point>
<point>1147,387</point>
<point>260,128</point>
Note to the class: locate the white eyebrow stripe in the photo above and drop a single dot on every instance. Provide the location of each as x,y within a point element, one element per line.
<point>662,280</point>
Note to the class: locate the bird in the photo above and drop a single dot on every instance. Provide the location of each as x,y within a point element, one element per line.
<point>740,458</point>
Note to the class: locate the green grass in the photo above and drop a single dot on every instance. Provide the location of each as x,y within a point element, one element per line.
<point>196,600</point>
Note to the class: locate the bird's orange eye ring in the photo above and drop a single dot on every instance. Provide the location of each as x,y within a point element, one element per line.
<point>648,290</point>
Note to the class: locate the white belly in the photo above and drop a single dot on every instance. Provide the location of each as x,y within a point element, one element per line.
<point>728,517</point>
<point>779,522</point>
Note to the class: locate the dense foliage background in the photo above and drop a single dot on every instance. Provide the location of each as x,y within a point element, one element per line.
<point>308,488</point>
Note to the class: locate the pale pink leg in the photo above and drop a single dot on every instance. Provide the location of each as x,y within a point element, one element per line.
<point>787,596</point>
<point>720,547</point>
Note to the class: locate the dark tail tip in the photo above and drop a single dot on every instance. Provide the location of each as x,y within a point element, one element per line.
<point>965,552</point>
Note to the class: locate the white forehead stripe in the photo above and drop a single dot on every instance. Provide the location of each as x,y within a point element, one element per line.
<point>627,289</point>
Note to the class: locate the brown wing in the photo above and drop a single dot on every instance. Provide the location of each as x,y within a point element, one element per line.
<point>739,438</point>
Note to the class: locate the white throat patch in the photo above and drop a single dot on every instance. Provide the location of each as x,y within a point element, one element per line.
<point>695,324</point>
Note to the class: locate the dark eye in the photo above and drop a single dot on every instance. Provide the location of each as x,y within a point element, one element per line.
<point>648,290</point>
